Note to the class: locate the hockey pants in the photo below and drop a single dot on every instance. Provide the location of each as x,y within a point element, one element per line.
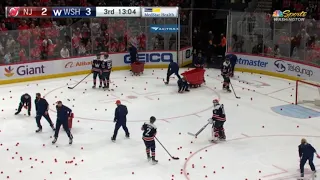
<point>170,73</point>
<point>95,75</point>
<point>218,130</point>
<point>150,146</point>
<point>117,127</point>
<point>226,82</point>
<point>47,117</point>
<point>303,162</point>
<point>21,106</point>
<point>64,124</point>
<point>106,78</point>
<point>184,86</point>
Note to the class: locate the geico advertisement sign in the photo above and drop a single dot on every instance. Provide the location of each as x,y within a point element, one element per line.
<point>251,62</point>
<point>75,64</point>
<point>150,58</point>
<point>24,70</point>
<point>286,66</point>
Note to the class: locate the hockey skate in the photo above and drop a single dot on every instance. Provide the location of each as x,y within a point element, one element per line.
<point>128,136</point>
<point>52,126</point>
<point>70,141</point>
<point>148,157</point>
<point>228,90</point>
<point>100,86</point>
<point>113,139</point>
<point>154,161</point>
<point>16,113</point>
<point>54,140</point>
<point>39,130</point>
<point>29,113</point>
<point>94,86</point>
<point>166,83</point>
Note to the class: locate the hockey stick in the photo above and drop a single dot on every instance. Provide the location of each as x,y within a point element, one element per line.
<point>195,135</point>
<point>79,81</point>
<point>234,91</point>
<point>175,158</point>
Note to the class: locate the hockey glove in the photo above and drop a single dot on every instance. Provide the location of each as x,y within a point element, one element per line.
<point>210,121</point>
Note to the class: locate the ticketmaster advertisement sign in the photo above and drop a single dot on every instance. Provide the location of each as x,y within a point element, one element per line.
<point>290,68</point>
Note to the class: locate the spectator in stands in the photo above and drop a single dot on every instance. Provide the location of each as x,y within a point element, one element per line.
<point>276,51</point>
<point>64,53</point>
<point>82,49</point>
<point>23,55</point>
<point>45,48</point>
<point>222,45</point>
<point>10,44</point>
<point>8,58</point>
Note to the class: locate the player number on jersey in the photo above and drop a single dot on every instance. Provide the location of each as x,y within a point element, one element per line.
<point>148,131</point>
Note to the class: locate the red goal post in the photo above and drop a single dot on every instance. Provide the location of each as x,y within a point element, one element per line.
<point>308,93</point>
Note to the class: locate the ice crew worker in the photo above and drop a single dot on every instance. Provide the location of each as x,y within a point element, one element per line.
<point>306,153</point>
<point>63,117</point>
<point>173,68</point>
<point>42,108</point>
<point>133,54</point>
<point>198,62</point>
<point>120,118</point>
<point>233,61</point>
<point>25,100</point>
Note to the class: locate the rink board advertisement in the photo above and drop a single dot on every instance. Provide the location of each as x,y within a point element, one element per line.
<point>279,66</point>
<point>66,67</point>
<point>185,56</point>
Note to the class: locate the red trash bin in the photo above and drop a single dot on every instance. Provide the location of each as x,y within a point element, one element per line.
<point>194,77</point>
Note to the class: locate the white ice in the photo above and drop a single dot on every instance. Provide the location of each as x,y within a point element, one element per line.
<point>260,143</point>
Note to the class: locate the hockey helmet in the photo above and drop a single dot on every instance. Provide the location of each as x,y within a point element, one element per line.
<point>152,119</point>
<point>98,56</point>
<point>215,102</point>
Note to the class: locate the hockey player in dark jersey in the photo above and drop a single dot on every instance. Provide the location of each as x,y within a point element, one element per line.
<point>96,70</point>
<point>106,70</point>
<point>149,132</point>
<point>25,101</point>
<point>183,85</point>
<point>217,121</point>
<point>233,60</point>
<point>225,72</point>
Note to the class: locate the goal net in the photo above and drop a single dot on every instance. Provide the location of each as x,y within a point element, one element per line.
<point>308,93</point>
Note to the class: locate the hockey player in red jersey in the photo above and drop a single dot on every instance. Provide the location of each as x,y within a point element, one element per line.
<point>149,132</point>
<point>225,73</point>
<point>96,70</point>
<point>217,121</point>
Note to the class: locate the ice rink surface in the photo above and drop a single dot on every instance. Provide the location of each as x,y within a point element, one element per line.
<point>261,144</point>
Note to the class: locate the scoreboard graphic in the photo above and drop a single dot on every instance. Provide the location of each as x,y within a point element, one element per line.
<point>91,12</point>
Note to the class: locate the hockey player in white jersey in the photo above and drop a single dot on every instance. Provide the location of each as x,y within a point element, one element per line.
<point>106,70</point>
<point>226,73</point>
<point>217,121</point>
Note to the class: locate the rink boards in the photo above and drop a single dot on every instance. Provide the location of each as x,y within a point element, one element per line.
<point>39,70</point>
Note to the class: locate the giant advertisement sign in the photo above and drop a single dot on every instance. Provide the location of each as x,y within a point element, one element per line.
<point>277,65</point>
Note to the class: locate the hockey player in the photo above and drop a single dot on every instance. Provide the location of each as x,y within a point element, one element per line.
<point>149,132</point>
<point>25,101</point>
<point>120,118</point>
<point>306,153</point>
<point>183,85</point>
<point>233,60</point>
<point>96,70</point>
<point>217,121</point>
<point>42,108</point>
<point>225,72</point>
<point>106,70</point>
<point>173,68</point>
<point>63,116</point>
